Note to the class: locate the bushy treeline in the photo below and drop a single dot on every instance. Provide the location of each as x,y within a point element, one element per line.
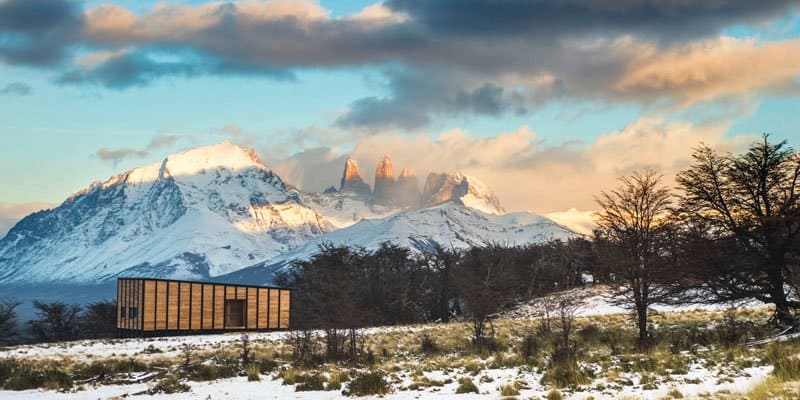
<point>341,289</point>
<point>58,321</point>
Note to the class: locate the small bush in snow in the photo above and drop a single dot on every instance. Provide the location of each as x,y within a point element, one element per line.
<point>465,385</point>
<point>787,369</point>
<point>311,383</point>
<point>554,395</point>
<point>22,375</point>
<point>427,345</point>
<point>565,374</point>
<point>169,384</point>
<point>150,349</point>
<point>337,378</point>
<point>367,383</point>
<point>253,373</point>
<point>509,390</point>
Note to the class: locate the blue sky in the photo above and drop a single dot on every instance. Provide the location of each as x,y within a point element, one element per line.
<point>400,80</point>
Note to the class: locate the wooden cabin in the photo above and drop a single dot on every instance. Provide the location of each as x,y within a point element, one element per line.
<point>159,307</point>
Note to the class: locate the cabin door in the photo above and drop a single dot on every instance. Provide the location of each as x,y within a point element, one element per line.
<point>234,309</point>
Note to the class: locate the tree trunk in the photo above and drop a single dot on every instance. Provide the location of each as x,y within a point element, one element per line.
<point>641,323</point>
<point>783,315</point>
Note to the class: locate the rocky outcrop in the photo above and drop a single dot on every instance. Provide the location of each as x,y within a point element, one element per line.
<point>351,180</point>
<point>460,189</point>
<point>407,189</point>
<point>385,185</point>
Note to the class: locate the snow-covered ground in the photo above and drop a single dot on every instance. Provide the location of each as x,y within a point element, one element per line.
<point>598,300</point>
<point>699,378</point>
<point>268,388</point>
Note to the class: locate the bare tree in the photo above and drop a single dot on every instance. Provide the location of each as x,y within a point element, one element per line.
<point>567,304</point>
<point>8,320</point>
<point>56,322</point>
<point>745,209</point>
<point>99,320</point>
<point>330,296</point>
<point>187,352</point>
<point>485,283</point>
<point>632,237</point>
<point>443,290</point>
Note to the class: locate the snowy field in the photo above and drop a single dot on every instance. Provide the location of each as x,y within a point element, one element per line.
<point>240,388</point>
<point>597,301</point>
<point>702,374</point>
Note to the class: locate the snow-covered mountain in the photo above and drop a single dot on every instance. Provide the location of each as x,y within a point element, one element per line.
<point>216,210</point>
<point>460,189</point>
<point>203,212</point>
<point>449,225</point>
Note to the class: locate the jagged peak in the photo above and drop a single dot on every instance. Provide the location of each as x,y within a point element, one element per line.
<point>385,169</point>
<point>351,170</point>
<point>407,173</point>
<point>351,179</point>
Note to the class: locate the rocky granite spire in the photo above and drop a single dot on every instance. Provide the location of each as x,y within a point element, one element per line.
<point>408,194</point>
<point>460,189</point>
<point>351,180</point>
<point>384,193</point>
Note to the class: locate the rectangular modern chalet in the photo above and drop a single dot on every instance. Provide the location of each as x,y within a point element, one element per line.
<point>153,307</point>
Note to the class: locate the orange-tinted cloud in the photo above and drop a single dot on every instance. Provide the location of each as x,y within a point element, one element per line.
<point>712,69</point>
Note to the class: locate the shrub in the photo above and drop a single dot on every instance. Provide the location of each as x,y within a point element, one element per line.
<point>787,369</point>
<point>170,384</point>
<point>150,349</point>
<point>473,367</point>
<point>675,394</point>
<point>107,368</point>
<point>465,385</point>
<point>565,374</point>
<point>291,376</point>
<point>24,376</point>
<point>212,372</point>
<point>253,373</point>
<point>205,372</point>
<point>311,382</point>
<point>427,345</point>
<point>265,365</point>
<point>337,378</point>
<point>590,333</point>
<point>529,347</point>
<point>554,395</point>
<point>367,383</point>
<point>7,367</point>
<point>424,382</point>
<point>509,390</point>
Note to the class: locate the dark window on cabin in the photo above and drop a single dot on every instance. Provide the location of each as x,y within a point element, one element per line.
<point>133,312</point>
<point>234,310</point>
<point>122,312</point>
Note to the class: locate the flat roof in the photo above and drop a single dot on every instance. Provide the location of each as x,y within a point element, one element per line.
<point>205,282</point>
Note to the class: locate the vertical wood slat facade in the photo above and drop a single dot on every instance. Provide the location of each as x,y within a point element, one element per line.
<point>152,307</point>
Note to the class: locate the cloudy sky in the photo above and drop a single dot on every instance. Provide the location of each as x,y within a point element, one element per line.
<point>547,101</point>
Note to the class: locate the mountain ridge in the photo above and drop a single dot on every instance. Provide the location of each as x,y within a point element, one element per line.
<point>215,210</point>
